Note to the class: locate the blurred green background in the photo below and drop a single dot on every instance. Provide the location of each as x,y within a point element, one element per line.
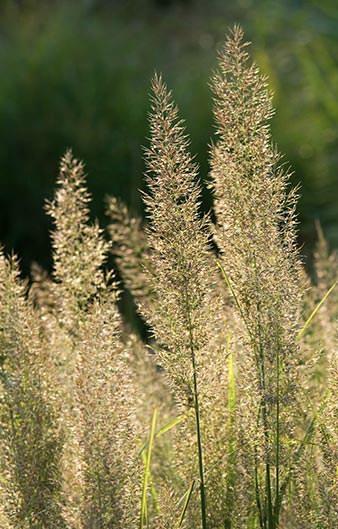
<point>77,73</point>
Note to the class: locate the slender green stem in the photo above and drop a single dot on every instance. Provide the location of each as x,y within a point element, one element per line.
<point>262,519</point>
<point>200,450</point>
<point>276,513</point>
<point>261,371</point>
<point>197,416</point>
<point>269,496</point>
<point>258,499</point>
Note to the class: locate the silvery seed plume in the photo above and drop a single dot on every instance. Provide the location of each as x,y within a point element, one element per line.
<point>79,250</point>
<point>131,248</point>
<point>255,233</point>
<point>96,390</point>
<point>178,245</point>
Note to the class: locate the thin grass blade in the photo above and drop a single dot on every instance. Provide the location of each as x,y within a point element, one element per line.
<point>187,497</point>
<point>315,311</point>
<point>146,475</point>
<point>166,428</point>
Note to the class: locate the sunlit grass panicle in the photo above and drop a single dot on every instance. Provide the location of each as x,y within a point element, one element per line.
<point>255,232</point>
<point>178,245</point>
<point>79,249</point>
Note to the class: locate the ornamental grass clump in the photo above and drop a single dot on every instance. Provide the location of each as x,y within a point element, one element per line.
<point>223,413</point>
<point>95,379</point>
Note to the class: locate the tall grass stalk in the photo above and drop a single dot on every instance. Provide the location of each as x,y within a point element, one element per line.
<point>178,262</point>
